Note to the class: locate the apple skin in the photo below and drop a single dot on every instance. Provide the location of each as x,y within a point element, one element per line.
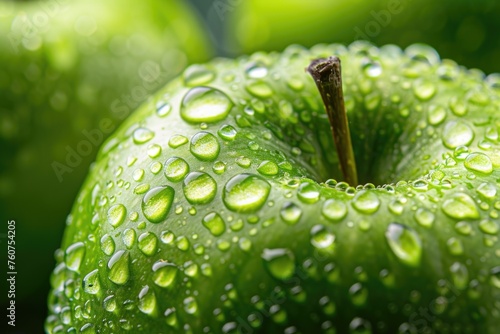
<point>265,241</point>
<point>95,63</point>
<point>461,30</point>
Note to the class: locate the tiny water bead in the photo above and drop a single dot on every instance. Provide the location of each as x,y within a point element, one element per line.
<point>116,215</point>
<point>246,193</point>
<point>214,223</point>
<point>176,168</point>
<point>164,273</point>
<point>205,104</point>
<point>204,146</point>
<point>404,243</point>
<point>280,262</point>
<point>199,188</point>
<point>460,206</point>
<point>157,202</point>
<point>479,162</point>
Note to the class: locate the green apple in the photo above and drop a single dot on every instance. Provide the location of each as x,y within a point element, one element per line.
<point>71,71</point>
<point>462,30</point>
<point>214,207</point>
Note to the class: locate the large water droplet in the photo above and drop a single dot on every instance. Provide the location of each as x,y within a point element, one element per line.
<point>118,267</point>
<point>479,162</point>
<point>147,301</point>
<point>175,169</point>
<point>246,193</point>
<point>142,135</point>
<point>204,146</point>
<point>91,283</point>
<point>334,210</point>
<point>280,262</point>
<point>157,203</point>
<point>290,213</point>
<point>366,202</point>
<point>487,190</point>
<point>404,243</point>
<point>214,223</point>
<point>164,273</point>
<point>205,104</point>
<point>457,133</point>
<point>460,206</point>
<point>73,256</point>
<point>116,215</point>
<point>199,188</point>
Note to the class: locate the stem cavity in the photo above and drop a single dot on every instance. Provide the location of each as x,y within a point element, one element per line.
<point>328,77</point>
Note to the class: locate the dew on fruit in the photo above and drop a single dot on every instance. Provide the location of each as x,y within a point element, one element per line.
<point>196,75</point>
<point>214,223</point>
<point>205,104</point>
<point>489,226</point>
<point>334,210</point>
<point>460,206</point>
<point>199,188</point>
<point>164,273</point>
<point>73,256</point>
<point>322,239</point>
<point>358,294</point>
<point>116,215</point>
<point>268,168</point>
<point>91,283</point>
<point>424,217</point>
<point>204,146</point>
<point>148,243</point>
<point>147,301</point>
<point>404,243</point>
<point>259,89</point>
<point>142,135</point>
<point>157,202</point>
<point>457,133</point>
<point>290,213</point>
<point>107,244</point>
<point>366,202</point>
<point>176,168</point>
<point>227,132</point>
<point>280,262</point>
<point>479,162</point>
<point>459,275</point>
<point>190,305</point>
<point>308,193</point>
<point>109,303</point>
<point>246,193</point>
<point>118,267</point>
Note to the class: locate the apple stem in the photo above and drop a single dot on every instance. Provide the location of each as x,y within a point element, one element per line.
<point>326,72</point>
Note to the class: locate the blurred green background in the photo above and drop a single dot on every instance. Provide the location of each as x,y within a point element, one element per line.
<point>72,70</point>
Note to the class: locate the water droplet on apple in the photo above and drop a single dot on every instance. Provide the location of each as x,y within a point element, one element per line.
<point>214,223</point>
<point>457,133</point>
<point>175,169</point>
<point>199,188</point>
<point>404,243</point>
<point>204,146</point>
<point>280,262</point>
<point>460,206</point>
<point>157,202</point>
<point>205,104</point>
<point>246,193</point>
<point>479,162</point>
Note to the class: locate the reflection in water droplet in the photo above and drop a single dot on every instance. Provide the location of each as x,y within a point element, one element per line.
<point>74,255</point>
<point>116,215</point>
<point>148,243</point>
<point>268,168</point>
<point>196,75</point>
<point>164,273</point>
<point>290,213</point>
<point>199,188</point>
<point>308,193</point>
<point>214,223</point>
<point>91,283</point>
<point>404,243</point>
<point>205,104</point>
<point>204,146</point>
<point>457,133</point>
<point>118,267</point>
<point>366,202</point>
<point>460,206</point>
<point>479,162</point>
<point>147,301</point>
<point>334,210</point>
<point>175,169</point>
<point>142,135</point>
